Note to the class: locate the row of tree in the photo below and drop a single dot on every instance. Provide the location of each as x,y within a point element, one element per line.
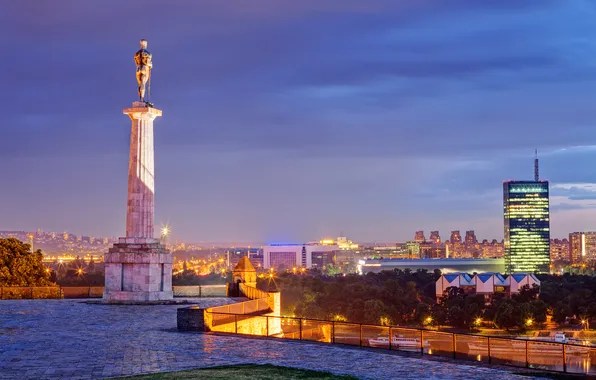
<point>408,298</point>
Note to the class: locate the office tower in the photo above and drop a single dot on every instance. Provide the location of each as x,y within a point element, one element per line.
<point>527,226</point>
<point>577,247</point>
<point>455,237</point>
<point>435,237</point>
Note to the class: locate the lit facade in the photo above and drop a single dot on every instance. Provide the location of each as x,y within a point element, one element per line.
<point>288,256</point>
<point>527,226</point>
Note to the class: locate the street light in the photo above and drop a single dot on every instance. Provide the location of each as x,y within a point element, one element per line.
<point>478,321</point>
<point>165,230</point>
<point>529,322</point>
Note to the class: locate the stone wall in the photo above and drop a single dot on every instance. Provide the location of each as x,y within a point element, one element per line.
<point>199,291</point>
<point>249,317</point>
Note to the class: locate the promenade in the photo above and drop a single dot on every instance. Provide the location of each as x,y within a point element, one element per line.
<point>68,339</point>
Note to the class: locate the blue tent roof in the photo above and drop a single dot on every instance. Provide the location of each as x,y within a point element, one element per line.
<point>519,276</point>
<point>484,277</point>
<point>451,277</point>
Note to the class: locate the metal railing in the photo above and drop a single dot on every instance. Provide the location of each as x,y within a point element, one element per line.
<point>537,354</point>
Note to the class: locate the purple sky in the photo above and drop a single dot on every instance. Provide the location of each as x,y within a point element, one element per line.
<point>294,120</point>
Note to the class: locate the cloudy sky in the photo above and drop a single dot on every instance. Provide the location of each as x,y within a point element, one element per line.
<point>294,120</point>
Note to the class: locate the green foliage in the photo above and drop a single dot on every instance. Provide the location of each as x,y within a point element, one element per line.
<point>244,372</point>
<point>389,297</point>
<point>21,267</point>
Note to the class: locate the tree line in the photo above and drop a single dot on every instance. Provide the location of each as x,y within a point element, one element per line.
<point>404,297</point>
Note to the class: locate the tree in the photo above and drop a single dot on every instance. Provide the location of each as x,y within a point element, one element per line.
<point>561,311</point>
<point>505,316</point>
<point>21,267</point>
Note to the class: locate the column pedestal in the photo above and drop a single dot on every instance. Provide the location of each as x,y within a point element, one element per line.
<point>138,269</point>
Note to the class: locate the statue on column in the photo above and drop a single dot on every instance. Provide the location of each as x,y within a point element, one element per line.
<point>144,65</point>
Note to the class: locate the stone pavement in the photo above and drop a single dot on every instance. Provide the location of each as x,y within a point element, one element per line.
<point>68,339</point>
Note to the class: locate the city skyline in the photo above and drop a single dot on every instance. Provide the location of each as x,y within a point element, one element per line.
<point>297,135</point>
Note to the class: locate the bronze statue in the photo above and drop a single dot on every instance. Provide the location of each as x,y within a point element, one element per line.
<point>144,65</point>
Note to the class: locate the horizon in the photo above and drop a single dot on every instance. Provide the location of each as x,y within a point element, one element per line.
<point>286,121</point>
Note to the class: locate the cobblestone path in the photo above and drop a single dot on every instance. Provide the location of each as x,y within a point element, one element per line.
<point>68,339</point>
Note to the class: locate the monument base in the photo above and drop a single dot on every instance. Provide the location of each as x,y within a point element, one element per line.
<point>138,269</point>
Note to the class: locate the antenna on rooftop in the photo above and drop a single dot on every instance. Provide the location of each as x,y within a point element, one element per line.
<point>536,174</point>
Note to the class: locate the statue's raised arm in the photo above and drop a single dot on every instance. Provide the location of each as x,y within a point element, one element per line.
<point>144,65</point>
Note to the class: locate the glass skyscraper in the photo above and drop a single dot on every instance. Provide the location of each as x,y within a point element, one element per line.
<point>527,226</point>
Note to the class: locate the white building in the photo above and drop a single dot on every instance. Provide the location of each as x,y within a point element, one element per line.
<point>288,256</point>
<point>486,284</point>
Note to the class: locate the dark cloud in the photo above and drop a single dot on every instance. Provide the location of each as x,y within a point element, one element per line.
<point>461,91</point>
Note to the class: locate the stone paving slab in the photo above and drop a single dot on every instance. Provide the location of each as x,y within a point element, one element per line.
<point>68,339</point>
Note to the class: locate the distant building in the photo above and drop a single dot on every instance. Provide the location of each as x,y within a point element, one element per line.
<point>444,265</point>
<point>455,237</point>
<point>577,247</point>
<point>590,238</point>
<point>470,238</point>
<point>559,250</point>
<point>435,238</point>
<point>527,226</point>
<point>288,256</point>
<point>419,237</point>
<point>487,284</point>
<point>233,255</point>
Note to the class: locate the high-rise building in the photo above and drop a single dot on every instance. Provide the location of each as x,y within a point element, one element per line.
<point>559,250</point>
<point>455,237</point>
<point>470,238</point>
<point>435,238</point>
<point>419,237</point>
<point>577,247</point>
<point>527,226</point>
<point>590,246</point>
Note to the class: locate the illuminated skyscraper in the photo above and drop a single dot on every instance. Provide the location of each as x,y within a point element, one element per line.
<point>527,226</point>
<point>435,237</point>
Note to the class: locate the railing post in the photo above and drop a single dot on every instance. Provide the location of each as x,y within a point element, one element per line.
<point>488,343</point>
<point>527,362</point>
<point>390,338</point>
<point>421,342</point>
<point>267,321</point>
<point>332,331</point>
<point>454,342</point>
<point>300,320</point>
<point>235,323</point>
<point>361,335</point>
<point>564,357</point>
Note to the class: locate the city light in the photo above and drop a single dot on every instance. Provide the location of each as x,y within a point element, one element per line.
<point>165,230</point>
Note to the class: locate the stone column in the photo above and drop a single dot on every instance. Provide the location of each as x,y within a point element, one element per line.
<point>141,185</point>
<point>138,268</point>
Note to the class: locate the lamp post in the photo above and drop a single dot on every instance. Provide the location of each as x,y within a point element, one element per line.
<point>165,231</point>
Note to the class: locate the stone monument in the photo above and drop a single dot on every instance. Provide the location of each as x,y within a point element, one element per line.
<point>138,268</point>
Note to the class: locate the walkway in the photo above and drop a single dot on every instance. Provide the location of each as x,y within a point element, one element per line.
<point>67,339</point>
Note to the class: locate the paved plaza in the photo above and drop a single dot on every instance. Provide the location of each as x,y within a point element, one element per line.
<point>69,339</point>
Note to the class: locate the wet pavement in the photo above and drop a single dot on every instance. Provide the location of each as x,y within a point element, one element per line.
<point>69,339</point>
